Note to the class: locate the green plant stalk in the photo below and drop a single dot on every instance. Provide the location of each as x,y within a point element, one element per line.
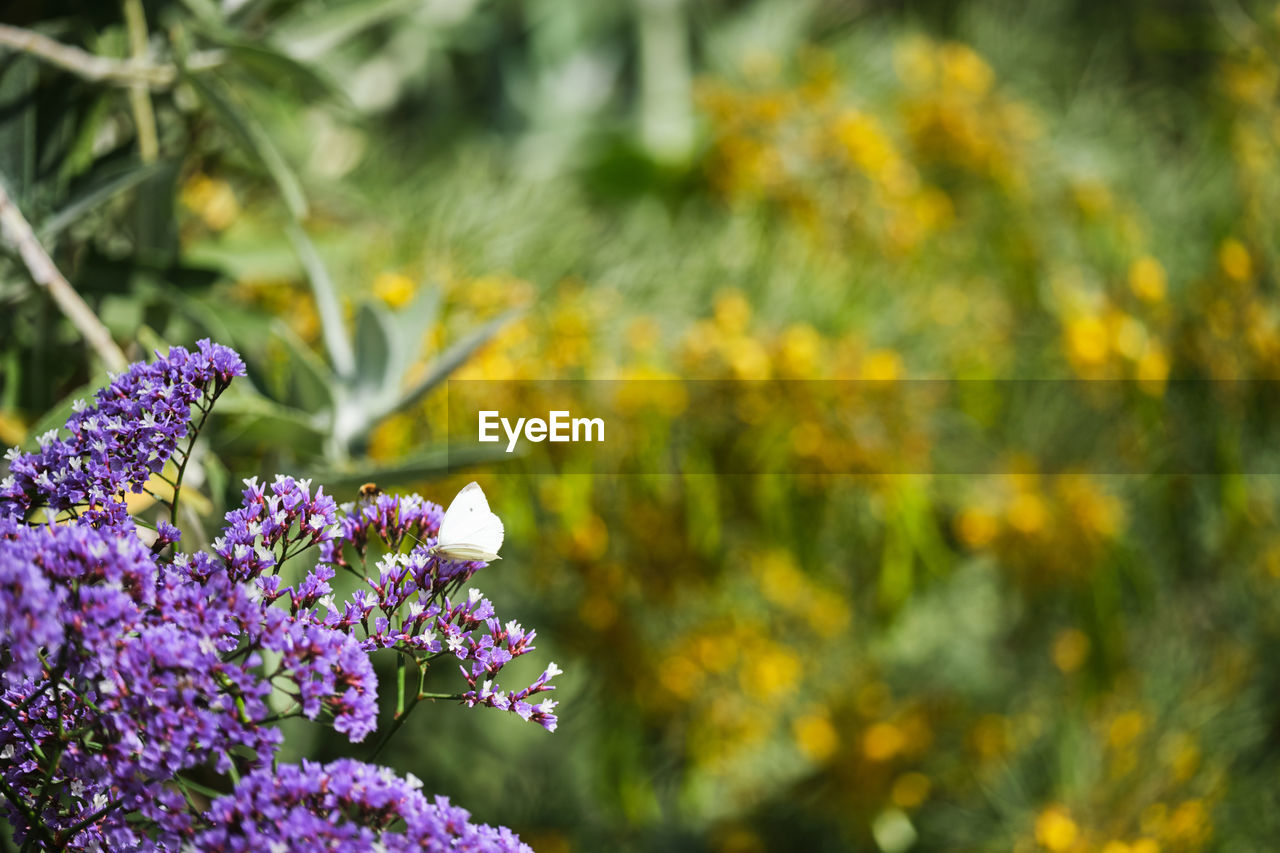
<point>400,672</point>
<point>72,831</point>
<point>37,828</point>
<point>35,745</point>
<point>144,115</point>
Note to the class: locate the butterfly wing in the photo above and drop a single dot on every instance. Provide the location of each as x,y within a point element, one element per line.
<point>469,529</point>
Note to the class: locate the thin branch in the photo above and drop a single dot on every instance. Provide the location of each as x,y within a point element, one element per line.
<point>17,722</point>
<point>17,231</point>
<point>36,826</point>
<point>71,832</point>
<point>396,722</point>
<point>101,69</point>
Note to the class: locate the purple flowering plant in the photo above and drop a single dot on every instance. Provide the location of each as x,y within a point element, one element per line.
<point>141,686</point>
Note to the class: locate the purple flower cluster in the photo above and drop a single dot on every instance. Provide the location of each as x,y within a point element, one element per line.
<point>116,445</point>
<point>268,529</point>
<point>292,808</point>
<point>407,608</point>
<point>125,672</point>
<point>129,686</point>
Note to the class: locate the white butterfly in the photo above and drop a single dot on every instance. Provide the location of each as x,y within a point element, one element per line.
<point>469,529</point>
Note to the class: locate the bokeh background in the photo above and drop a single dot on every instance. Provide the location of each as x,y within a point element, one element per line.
<point>368,197</point>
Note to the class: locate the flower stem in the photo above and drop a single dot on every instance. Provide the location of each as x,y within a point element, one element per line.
<point>396,723</point>
<point>144,115</point>
<point>400,673</point>
<point>35,744</point>
<point>37,828</point>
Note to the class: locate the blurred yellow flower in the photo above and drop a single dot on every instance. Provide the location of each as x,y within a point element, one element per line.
<point>1126,728</point>
<point>976,528</point>
<point>1092,197</point>
<point>1234,260</point>
<point>394,288</point>
<point>910,790</point>
<point>739,840</point>
<point>732,311</point>
<point>882,365</point>
<point>680,676</point>
<point>816,736</point>
<point>1153,370</point>
<point>882,741</point>
<point>1070,650</point>
<point>1147,279</point>
<point>1140,845</point>
<point>800,351</point>
<point>1181,754</point>
<point>589,538</point>
<point>12,428</point>
<point>1189,824</point>
<point>1027,514</point>
<point>212,199</point>
<point>989,736</point>
<point>963,68</point>
<point>771,672</point>
<point>1055,830</point>
<point>1087,340</point>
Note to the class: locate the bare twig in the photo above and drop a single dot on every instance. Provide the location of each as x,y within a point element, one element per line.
<point>102,69</point>
<point>16,230</point>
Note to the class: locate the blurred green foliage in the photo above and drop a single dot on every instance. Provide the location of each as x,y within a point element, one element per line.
<point>357,194</point>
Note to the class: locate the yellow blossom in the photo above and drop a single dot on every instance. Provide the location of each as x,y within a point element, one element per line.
<point>1055,830</point>
<point>212,199</point>
<point>816,736</point>
<point>1147,279</point>
<point>882,741</point>
<point>1235,261</point>
<point>394,288</point>
<point>1126,728</point>
<point>1070,650</point>
<point>1087,340</point>
<point>882,365</point>
<point>910,790</point>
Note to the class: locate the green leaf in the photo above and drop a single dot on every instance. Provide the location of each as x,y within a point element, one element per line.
<point>56,418</point>
<point>217,324</point>
<point>205,12</point>
<point>313,383</point>
<point>273,67</point>
<point>253,420</point>
<point>413,322</point>
<point>256,140</point>
<point>377,338</point>
<point>326,294</point>
<point>449,361</point>
<point>309,32</point>
<point>18,130</point>
<point>94,196</point>
<point>151,340</point>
